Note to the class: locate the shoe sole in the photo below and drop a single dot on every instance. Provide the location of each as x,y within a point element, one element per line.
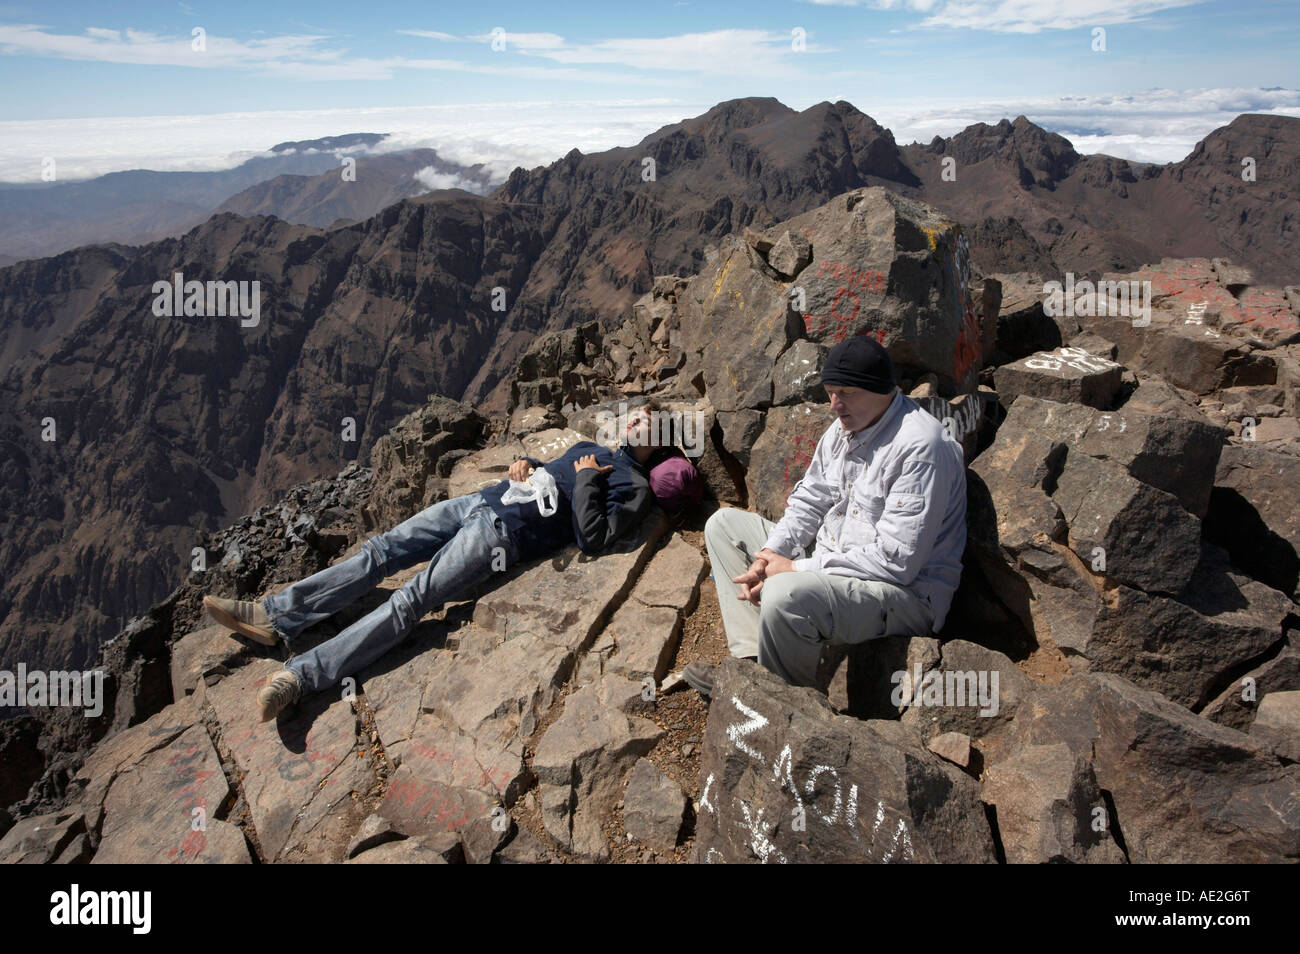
<point>705,691</point>
<point>228,621</point>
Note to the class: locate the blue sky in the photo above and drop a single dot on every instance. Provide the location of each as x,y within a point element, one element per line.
<point>607,73</point>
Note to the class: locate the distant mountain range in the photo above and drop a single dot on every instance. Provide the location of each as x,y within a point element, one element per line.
<point>171,426</point>
<point>142,205</point>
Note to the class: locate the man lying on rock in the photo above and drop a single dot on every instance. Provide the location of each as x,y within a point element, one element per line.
<point>884,502</point>
<point>601,496</point>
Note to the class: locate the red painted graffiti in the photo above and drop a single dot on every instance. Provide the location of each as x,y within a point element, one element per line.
<point>797,459</point>
<point>968,348</point>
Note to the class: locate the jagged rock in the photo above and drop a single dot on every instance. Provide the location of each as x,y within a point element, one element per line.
<point>296,769</point>
<point>422,808</point>
<point>501,695</point>
<point>1271,429</point>
<point>483,837</point>
<point>1278,724</point>
<point>433,850</point>
<point>645,629</point>
<point>1185,790</point>
<point>529,420</point>
<point>1094,344</point>
<point>374,831</point>
<point>740,429</point>
<point>395,683</point>
<point>790,254</point>
<point>952,746</point>
<point>557,369</point>
<point>1198,334</point>
<point>1049,808</point>
<point>1144,533</point>
<point>784,779</point>
<point>40,839</point>
<point>1066,375</point>
<point>564,600</point>
<point>1187,646</point>
<point>1175,455</point>
<point>405,460</point>
<point>646,638</point>
<point>949,701</point>
<point>1238,704</point>
<point>78,852</point>
<point>860,678</point>
<point>524,849</point>
<point>782,454</point>
<point>1023,327</point>
<point>166,809</point>
<point>653,806</point>
<point>1253,515</point>
<point>733,294</point>
<point>207,654</point>
<point>102,765</point>
<point>1156,396</point>
<point>1235,278</point>
<point>581,763</point>
<point>797,377</point>
<point>868,274</point>
<point>20,755</point>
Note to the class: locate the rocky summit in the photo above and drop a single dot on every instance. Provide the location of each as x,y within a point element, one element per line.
<point>127,434</point>
<point>1116,680</point>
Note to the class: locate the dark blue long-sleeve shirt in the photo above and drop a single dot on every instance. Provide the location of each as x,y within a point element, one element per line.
<point>594,508</point>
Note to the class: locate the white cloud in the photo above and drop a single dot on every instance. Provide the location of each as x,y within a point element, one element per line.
<point>1020,16</point>
<point>502,135</point>
<point>300,57</point>
<point>735,52</point>
<point>430,34</point>
<point>431,178</point>
<point>1150,126</point>
<point>1158,125</point>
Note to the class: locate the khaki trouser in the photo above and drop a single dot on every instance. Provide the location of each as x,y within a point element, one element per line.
<point>799,612</point>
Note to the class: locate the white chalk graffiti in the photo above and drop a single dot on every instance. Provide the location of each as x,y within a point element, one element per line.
<point>896,840</point>
<point>1075,358</point>
<point>758,839</point>
<point>737,729</point>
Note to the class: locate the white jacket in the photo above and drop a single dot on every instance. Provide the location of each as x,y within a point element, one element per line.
<point>887,503</point>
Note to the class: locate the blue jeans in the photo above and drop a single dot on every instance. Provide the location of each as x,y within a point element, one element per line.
<point>461,538</point>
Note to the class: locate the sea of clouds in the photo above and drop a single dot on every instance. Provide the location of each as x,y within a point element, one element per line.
<point>1150,126</point>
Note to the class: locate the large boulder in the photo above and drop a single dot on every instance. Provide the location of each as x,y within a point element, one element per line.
<point>582,763</point>
<point>1253,513</point>
<point>782,454</point>
<point>1184,789</point>
<point>1067,375</point>
<point>785,779</point>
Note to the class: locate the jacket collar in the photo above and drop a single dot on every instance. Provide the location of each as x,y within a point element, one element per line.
<point>869,433</point>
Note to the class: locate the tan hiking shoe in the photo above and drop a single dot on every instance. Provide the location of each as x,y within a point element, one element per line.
<point>244,617</point>
<point>283,690</point>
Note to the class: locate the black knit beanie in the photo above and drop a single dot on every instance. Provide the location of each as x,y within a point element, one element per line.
<point>859,362</point>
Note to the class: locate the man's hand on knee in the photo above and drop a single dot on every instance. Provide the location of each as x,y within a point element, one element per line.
<point>767,563</point>
<point>751,581</point>
<point>775,562</point>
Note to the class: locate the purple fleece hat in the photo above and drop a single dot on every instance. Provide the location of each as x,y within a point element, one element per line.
<point>675,483</point>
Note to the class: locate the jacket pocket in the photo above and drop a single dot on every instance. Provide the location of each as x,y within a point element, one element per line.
<point>905,514</point>
<point>864,509</point>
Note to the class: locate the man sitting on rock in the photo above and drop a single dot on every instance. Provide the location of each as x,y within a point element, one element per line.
<point>602,495</point>
<point>884,501</point>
